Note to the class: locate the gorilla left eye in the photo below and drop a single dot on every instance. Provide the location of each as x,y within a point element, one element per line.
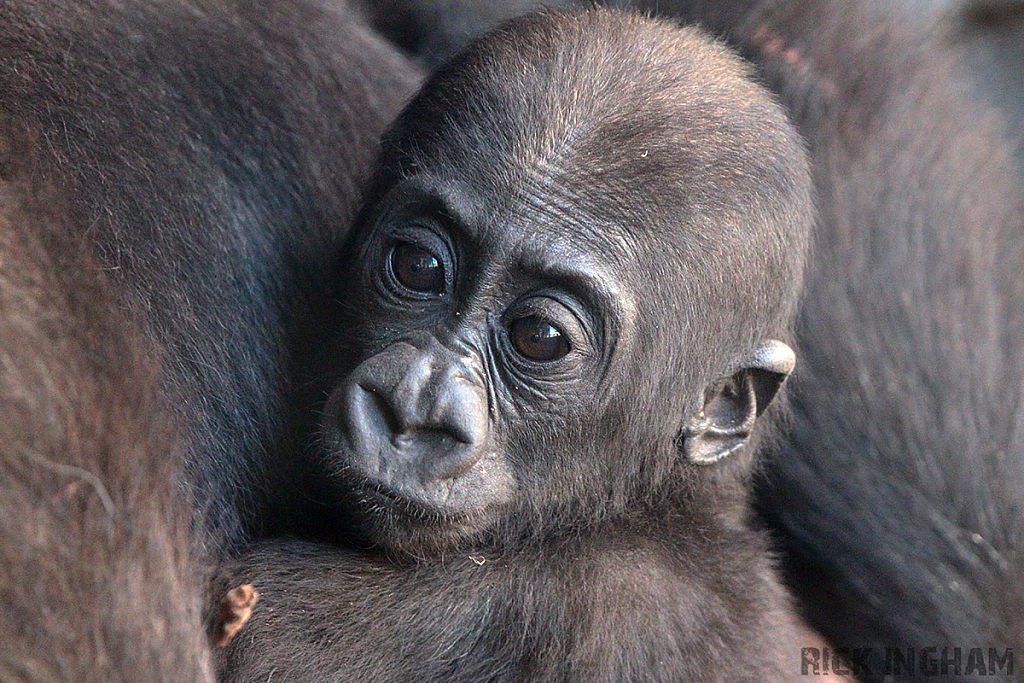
<point>417,269</point>
<point>537,339</point>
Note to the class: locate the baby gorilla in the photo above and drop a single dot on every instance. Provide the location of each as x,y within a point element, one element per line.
<point>563,306</point>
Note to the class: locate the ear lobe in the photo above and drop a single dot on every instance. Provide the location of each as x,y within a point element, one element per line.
<point>730,410</point>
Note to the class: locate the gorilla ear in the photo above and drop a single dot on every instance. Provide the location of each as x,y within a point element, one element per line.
<point>725,423</point>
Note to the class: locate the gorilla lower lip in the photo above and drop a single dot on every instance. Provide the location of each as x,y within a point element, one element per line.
<point>382,497</point>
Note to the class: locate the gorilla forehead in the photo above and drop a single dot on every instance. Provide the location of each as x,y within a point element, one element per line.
<point>554,110</point>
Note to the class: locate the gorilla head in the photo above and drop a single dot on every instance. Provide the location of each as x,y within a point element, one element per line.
<point>565,295</point>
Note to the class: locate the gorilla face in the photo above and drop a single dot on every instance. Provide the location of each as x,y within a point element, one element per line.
<point>499,352</point>
<point>561,300</point>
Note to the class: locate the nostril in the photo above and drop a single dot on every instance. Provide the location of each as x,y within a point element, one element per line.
<point>456,432</point>
<point>463,436</point>
<point>377,409</point>
<point>462,412</point>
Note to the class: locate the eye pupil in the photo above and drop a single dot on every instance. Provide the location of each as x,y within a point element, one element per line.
<point>537,339</point>
<point>417,269</point>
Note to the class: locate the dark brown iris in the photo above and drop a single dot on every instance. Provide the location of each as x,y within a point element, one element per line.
<point>535,338</point>
<point>417,269</point>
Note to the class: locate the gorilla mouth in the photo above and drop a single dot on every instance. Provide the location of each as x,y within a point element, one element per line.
<point>378,499</point>
<point>405,525</point>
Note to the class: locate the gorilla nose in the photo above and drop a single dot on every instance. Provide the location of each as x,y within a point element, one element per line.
<point>417,416</point>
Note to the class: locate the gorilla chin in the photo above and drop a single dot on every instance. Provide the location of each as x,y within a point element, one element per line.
<point>404,524</point>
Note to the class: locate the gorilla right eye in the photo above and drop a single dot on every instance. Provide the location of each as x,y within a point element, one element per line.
<point>417,269</point>
<point>535,338</point>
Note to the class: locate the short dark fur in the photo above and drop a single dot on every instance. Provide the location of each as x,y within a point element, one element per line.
<point>548,521</point>
<point>213,153</point>
<point>98,581</point>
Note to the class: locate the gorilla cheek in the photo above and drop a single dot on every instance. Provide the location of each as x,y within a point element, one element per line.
<point>412,425</point>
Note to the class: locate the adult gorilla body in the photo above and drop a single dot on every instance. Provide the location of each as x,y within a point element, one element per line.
<point>213,153</point>
<point>98,581</point>
<point>206,157</point>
